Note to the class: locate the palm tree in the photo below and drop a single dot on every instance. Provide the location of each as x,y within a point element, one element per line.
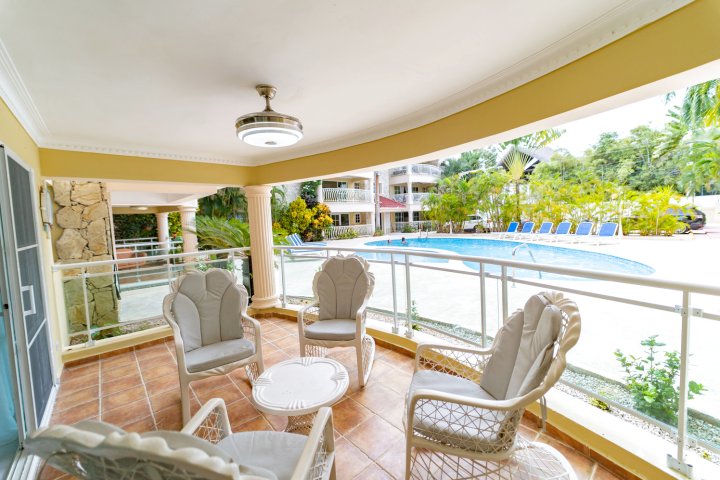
<point>229,202</point>
<point>517,160</point>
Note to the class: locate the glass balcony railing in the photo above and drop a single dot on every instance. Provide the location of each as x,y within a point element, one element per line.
<point>461,299</point>
<point>419,169</point>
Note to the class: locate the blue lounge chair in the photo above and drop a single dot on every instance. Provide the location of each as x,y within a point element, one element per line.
<point>527,229</point>
<point>561,232</point>
<point>583,230</point>
<point>544,230</point>
<point>296,241</point>
<point>607,230</point>
<point>511,230</point>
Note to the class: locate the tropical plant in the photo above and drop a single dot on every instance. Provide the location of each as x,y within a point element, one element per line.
<point>229,202</point>
<point>652,382</point>
<point>472,161</point>
<point>651,212</point>
<point>308,192</point>
<point>134,225</point>
<point>297,217</point>
<point>220,233</point>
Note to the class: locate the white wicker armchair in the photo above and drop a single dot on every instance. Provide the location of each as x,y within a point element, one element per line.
<point>213,333</point>
<point>464,405</point>
<point>206,449</point>
<point>336,318</point>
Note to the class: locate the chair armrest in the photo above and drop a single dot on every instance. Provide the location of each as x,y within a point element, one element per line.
<point>177,335</point>
<point>466,362</point>
<point>303,319</point>
<point>211,422</point>
<point>251,330</point>
<point>316,460</point>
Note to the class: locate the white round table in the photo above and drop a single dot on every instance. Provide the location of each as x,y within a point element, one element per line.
<point>298,387</point>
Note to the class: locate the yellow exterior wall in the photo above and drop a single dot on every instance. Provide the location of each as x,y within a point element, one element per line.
<point>69,164</point>
<point>683,40</point>
<point>17,140</point>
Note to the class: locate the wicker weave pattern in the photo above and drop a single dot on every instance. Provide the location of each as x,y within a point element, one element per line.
<point>457,436</point>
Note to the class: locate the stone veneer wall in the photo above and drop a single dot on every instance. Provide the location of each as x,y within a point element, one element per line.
<point>83,221</point>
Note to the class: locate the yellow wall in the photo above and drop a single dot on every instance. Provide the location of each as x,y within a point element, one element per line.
<point>17,140</point>
<point>68,164</point>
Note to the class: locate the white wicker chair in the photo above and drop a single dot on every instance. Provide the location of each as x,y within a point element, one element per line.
<point>213,333</point>
<point>464,405</point>
<point>336,318</point>
<point>205,449</point>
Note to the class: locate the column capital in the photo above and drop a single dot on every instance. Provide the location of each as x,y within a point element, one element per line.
<point>257,190</point>
<point>161,214</point>
<point>187,208</point>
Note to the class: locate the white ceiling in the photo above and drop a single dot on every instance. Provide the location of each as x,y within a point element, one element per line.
<point>129,194</point>
<point>167,78</point>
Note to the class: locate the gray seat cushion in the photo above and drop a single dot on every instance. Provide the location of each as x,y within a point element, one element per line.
<point>274,452</point>
<point>217,354</point>
<point>331,330</point>
<point>452,424</point>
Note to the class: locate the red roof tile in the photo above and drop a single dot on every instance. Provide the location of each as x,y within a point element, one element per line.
<point>386,202</point>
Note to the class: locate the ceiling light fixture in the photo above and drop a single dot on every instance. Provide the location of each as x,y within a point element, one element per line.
<point>268,128</point>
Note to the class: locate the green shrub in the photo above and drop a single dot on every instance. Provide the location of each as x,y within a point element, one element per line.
<point>348,234</point>
<point>653,383</point>
<point>378,232</point>
<point>408,229</point>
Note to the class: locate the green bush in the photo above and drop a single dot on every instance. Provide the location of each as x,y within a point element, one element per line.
<point>378,232</point>
<point>653,383</point>
<point>348,234</point>
<point>408,229</point>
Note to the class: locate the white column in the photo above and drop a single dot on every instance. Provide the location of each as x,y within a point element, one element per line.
<point>409,196</point>
<point>320,196</point>
<point>261,244</point>
<point>163,231</point>
<point>187,220</point>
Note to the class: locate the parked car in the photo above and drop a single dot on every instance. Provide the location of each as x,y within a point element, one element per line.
<point>693,218</point>
<point>474,223</point>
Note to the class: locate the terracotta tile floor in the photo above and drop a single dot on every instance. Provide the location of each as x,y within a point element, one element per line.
<point>137,389</point>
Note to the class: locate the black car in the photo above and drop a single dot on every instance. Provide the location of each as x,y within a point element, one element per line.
<point>693,218</point>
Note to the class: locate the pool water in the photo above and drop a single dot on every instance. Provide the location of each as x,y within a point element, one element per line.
<point>502,249</point>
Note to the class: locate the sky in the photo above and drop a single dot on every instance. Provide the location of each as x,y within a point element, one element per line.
<point>581,134</point>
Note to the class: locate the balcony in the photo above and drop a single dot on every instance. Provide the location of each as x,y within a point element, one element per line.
<point>416,197</point>
<point>417,169</point>
<point>351,231</point>
<point>408,301</point>
<point>347,195</point>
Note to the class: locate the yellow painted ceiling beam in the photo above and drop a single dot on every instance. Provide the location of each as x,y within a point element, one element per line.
<point>70,164</point>
<point>685,39</point>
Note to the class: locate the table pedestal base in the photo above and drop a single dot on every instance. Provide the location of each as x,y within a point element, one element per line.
<point>301,424</point>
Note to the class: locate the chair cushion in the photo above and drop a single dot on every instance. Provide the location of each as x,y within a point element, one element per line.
<point>331,330</point>
<point>217,354</point>
<point>499,368</point>
<point>275,452</point>
<point>341,286</point>
<point>207,307</point>
<point>451,424</point>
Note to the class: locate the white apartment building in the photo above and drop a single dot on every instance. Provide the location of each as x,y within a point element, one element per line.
<point>355,206</point>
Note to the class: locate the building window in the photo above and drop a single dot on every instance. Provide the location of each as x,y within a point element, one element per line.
<point>341,184</point>
<point>340,219</point>
<point>356,185</point>
<point>357,218</point>
<point>416,216</point>
<point>401,217</point>
<point>398,190</point>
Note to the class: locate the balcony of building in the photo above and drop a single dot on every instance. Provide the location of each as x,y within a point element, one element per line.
<point>416,173</point>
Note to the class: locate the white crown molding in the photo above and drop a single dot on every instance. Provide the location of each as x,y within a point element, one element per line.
<point>18,99</point>
<point>144,153</point>
<point>615,24</point>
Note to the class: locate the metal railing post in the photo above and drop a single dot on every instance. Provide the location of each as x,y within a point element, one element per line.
<point>678,463</point>
<point>483,312</point>
<point>282,277</point>
<point>396,327</point>
<point>88,320</point>
<point>168,269</point>
<point>504,286</point>
<point>408,299</point>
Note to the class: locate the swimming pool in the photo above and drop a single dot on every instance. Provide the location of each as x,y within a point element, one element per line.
<point>502,249</point>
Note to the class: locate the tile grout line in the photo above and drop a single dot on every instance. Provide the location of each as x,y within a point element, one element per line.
<point>147,395</point>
